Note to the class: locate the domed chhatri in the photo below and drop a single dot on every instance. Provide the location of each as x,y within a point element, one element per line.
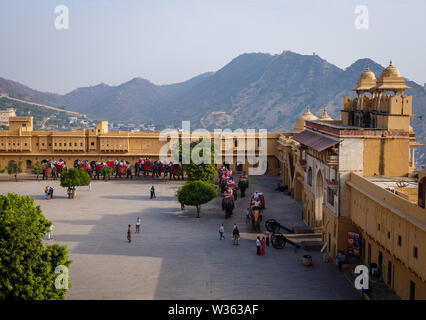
<point>325,115</point>
<point>391,80</point>
<point>300,122</point>
<point>366,81</point>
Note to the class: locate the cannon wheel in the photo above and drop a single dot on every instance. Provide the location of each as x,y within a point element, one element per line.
<point>277,240</point>
<point>272,225</point>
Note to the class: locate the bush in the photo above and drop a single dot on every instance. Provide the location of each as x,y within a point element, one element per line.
<point>27,265</point>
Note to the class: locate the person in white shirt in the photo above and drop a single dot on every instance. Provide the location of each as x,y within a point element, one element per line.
<point>50,233</point>
<point>221,231</point>
<point>258,244</point>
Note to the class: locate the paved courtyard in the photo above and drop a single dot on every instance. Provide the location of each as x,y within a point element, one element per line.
<point>177,256</point>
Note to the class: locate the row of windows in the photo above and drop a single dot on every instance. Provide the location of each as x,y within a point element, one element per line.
<point>14,144</point>
<point>412,285</point>
<point>415,250</point>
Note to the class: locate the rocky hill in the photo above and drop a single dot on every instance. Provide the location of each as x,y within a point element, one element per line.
<point>254,90</point>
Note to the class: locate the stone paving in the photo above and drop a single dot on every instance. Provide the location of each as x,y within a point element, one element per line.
<point>177,256</point>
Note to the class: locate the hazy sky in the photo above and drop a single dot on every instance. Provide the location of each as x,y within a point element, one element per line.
<point>167,41</point>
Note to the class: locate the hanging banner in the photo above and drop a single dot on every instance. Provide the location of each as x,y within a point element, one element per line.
<point>353,243</point>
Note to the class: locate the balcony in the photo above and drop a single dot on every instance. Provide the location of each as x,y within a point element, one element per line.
<point>332,160</point>
<point>333,184</point>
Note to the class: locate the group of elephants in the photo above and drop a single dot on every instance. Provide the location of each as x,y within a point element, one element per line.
<point>229,190</point>
<point>155,169</point>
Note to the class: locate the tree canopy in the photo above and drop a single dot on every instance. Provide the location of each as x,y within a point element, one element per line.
<point>74,178</point>
<point>196,193</point>
<point>27,265</point>
<point>206,172</point>
<point>38,169</point>
<point>14,168</point>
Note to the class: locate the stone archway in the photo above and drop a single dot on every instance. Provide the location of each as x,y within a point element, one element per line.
<point>319,198</point>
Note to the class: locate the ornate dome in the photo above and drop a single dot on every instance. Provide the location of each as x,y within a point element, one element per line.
<point>300,122</point>
<point>391,79</point>
<point>366,81</point>
<point>325,115</point>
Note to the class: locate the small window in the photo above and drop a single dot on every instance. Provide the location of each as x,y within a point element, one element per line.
<point>399,240</point>
<point>50,144</point>
<point>81,144</point>
<point>415,253</point>
<point>378,227</point>
<point>236,143</point>
<point>60,144</point>
<point>92,143</point>
<point>24,124</point>
<point>70,144</point>
<point>75,144</point>
<point>388,235</point>
<point>55,144</point>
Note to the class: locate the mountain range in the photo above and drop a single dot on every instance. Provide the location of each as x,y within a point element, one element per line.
<point>254,90</point>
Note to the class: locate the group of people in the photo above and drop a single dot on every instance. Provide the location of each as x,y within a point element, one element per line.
<point>129,229</point>
<point>261,245</point>
<point>48,192</point>
<point>235,234</point>
<point>225,176</point>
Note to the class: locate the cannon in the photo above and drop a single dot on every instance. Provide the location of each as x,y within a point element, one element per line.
<point>279,240</point>
<point>274,226</point>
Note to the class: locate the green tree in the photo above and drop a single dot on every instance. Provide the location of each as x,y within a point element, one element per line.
<point>14,168</point>
<point>206,172</point>
<point>106,172</point>
<point>73,178</point>
<point>38,169</point>
<point>196,193</point>
<point>27,265</point>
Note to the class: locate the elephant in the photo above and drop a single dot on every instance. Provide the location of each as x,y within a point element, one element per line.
<point>228,206</point>
<point>243,185</point>
<point>175,170</point>
<point>256,218</point>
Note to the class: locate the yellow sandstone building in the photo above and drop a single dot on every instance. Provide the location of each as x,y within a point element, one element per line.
<point>356,175</point>
<point>22,143</point>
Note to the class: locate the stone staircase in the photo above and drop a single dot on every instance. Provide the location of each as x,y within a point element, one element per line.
<point>308,241</point>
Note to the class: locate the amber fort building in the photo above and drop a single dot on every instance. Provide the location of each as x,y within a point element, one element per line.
<point>353,175</point>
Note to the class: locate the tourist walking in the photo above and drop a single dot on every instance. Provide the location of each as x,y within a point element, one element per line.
<point>236,235</point>
<point>221,232</point>
<point>90,186</point>
<point>50,233</point>
<point>46,192</point>
<point>138,224</point>
<point>50,193</point>
<point>129,233</point>
<point>268,234</point>
<point>247,215</point>
<point>340,259</point>
<point>153,192</point>
<point>258,246</point>
<point>263,244</point>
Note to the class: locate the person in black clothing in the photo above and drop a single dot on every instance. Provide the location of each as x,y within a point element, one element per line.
<point>236,235</point>
<point>153,192</point>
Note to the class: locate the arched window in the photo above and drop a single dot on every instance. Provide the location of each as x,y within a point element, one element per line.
<point>28,164</point>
